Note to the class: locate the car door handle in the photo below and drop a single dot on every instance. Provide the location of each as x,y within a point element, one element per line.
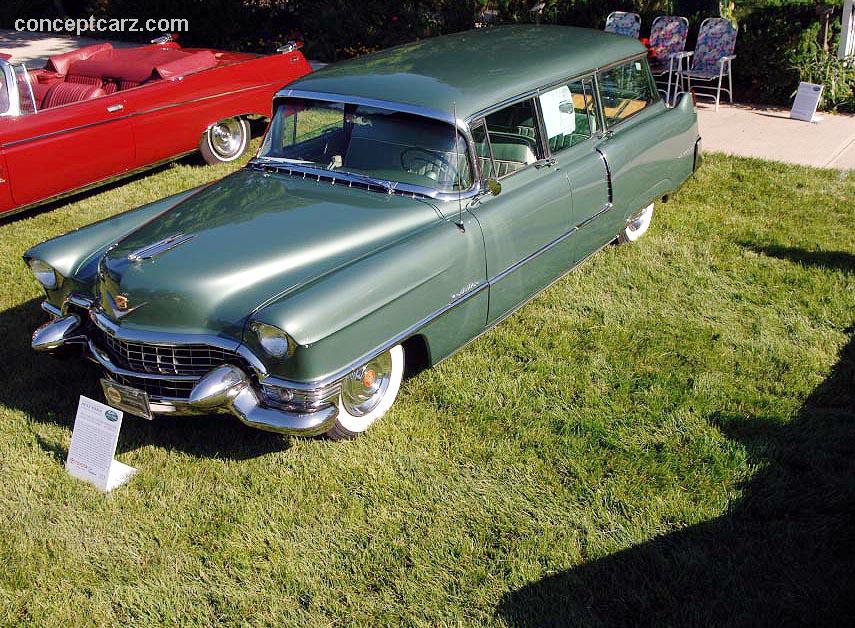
<point>545,163</point>
<point>115,108</point>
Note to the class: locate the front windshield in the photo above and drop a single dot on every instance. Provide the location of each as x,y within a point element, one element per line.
<point>379,143</point>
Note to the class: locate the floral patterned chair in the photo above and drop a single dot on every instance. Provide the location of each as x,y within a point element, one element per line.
<point>667,41</point>
<point>622,23</point>
<point>711,59</point>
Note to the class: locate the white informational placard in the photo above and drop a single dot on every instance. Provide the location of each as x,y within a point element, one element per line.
<point>806,102</point>
<point>91,455</point>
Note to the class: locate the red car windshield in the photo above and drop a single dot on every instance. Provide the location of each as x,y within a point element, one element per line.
<point>379,143</point>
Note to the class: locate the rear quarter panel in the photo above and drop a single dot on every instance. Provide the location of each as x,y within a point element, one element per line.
<point>652,156</point>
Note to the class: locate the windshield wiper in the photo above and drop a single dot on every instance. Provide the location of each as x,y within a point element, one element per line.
<point>389,186</point>
<point>340,175</point>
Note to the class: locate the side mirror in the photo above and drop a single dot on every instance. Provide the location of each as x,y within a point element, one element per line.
<point>494,187</point>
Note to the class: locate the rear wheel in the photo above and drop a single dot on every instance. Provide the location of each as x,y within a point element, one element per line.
<point>367,393</point>
<point>638,226</point>
<point>225,141</point>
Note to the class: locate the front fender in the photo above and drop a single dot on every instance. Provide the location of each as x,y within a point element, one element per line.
<point>75,255</point>
<point>346,317</point>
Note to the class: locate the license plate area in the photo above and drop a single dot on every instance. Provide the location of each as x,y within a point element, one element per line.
<point>130,400</point>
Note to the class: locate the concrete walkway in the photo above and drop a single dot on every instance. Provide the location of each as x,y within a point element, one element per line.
<point>35,48</point>
<point>770,134</point>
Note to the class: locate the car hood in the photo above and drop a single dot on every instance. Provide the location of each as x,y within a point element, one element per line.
<point>221,254</point>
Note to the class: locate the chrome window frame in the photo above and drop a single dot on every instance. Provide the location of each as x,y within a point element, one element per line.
<point>14,108</point>
<point>481,116</point>
<point>425,112</point>
<point>656,96</point>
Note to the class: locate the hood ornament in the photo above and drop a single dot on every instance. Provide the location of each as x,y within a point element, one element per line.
<point>119,305</point>
<point>153,250</point>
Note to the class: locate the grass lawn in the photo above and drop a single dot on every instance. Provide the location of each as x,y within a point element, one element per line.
<point>665,437</point>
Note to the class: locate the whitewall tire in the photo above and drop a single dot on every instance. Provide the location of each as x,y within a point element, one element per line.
<point>638,226</point>
<point>367,394</point>
<point>225,141</point>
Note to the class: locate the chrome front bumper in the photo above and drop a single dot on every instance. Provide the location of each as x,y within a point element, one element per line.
<point>224,389</point>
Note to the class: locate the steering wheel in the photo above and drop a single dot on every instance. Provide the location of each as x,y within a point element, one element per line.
<point>422,162</point>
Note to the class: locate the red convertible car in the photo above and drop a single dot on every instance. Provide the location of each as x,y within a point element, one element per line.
<point>98,113</point>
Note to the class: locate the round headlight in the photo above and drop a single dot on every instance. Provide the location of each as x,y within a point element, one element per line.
<point>45,275</point>
<point>273,340</point>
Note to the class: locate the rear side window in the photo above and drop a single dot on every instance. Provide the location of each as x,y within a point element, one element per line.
<point>569,114</point>
<point>511,141</point>
<point>625,90</point>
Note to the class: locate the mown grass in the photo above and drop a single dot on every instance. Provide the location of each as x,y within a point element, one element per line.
<point>665,437</point>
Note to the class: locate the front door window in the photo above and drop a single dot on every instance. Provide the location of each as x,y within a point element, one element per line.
<point>514,139</point>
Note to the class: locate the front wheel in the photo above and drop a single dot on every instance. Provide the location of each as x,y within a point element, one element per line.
<point>225,141</point>
<point>367,393</point>
<point>637,226</point>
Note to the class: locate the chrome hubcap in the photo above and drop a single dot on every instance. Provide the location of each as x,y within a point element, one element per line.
<point>639,221</point>
<point>362,390</point>
<point>226,137</point>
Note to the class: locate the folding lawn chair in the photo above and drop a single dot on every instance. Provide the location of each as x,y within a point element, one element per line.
<point>712,58</point>
<point>622,23</point>
<point>667,40</point>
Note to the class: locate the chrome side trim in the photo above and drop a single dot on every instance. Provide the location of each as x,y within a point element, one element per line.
<point>516,266</point>
<point>525,301</point>
<point>133,114</point>
<point>415,327</point>
<point>546,247</point>
<point>605,208</point>
<point>90,186</point>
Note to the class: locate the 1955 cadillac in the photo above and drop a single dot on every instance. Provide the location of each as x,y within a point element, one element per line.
<point>401,204</point>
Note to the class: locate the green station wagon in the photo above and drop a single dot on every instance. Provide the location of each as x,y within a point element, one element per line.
<point>401,204</point>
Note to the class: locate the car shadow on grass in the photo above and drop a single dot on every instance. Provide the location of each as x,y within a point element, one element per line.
<point>47,390</point>
<point>784,554</point>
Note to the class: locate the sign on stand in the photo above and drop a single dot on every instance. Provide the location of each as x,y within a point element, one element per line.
<point>91,455</point>
<point>806,102</point>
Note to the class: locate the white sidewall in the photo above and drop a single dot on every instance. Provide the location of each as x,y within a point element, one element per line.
<point>358,424</point>
<point>631,235</point>
<point>244,127</point>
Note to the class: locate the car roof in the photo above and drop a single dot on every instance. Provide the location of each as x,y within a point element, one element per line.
<point>472,70</point>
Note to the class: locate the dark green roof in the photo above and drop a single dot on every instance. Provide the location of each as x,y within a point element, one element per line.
<point>475,69</point>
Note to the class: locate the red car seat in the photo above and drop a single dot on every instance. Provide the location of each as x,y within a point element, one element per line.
<point>67,93</point>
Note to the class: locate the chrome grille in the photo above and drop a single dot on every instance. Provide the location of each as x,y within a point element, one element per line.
<point>157,388</point>
<point>166,359</point>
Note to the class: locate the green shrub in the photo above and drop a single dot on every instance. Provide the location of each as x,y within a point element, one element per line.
<point>776,46</point>
<point>837,76</point>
